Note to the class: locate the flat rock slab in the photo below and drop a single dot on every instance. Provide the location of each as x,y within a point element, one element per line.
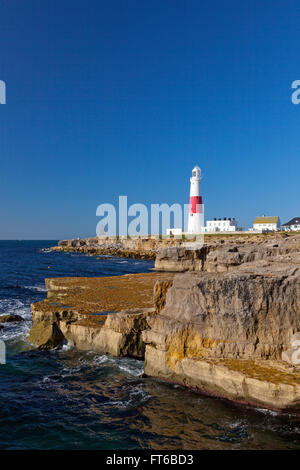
<point>95,297</point>
<point>105,314</point>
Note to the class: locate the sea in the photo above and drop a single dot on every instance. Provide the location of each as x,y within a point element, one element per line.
<point>67,399</point>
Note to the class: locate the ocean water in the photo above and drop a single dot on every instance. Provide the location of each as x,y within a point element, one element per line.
<point>65,399</point>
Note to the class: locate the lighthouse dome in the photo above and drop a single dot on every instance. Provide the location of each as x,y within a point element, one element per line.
<point>196,171</point>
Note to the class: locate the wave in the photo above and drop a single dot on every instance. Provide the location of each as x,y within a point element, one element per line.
<point>131,369</point>
<point>15,307</point>
<point>130,366</point>
<point>36,288</point>
<point>100,359</point>
<point>15,330</point>
<point>66,347</point>
<point>12,306</point>
<point>18,287</point>
<point>136,395</point>
<point>266,411</point>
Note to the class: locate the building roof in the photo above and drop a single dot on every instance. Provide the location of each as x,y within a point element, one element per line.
<point>294,221</point>
<point>266,220</point>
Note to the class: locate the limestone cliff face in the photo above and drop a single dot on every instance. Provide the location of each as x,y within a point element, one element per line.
<point>225,333</point>
<point>120,334</point>
<point>225,255</point>
<point>238,314</point>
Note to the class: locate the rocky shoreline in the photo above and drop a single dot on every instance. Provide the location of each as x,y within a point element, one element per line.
<point>148,247</point>
<point>220,319</point>
<point>139,248</point>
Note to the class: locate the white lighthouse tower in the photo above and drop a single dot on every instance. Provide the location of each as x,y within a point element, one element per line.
<point>196,216</point>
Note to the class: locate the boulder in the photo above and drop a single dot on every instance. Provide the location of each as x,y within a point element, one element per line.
<point>10,318</point>
<point>46,335</point>
<point>119,335</point>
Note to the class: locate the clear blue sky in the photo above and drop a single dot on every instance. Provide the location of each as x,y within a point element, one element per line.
<point>125,97</point>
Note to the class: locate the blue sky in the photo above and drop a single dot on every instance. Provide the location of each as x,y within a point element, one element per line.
<point>108,98</point>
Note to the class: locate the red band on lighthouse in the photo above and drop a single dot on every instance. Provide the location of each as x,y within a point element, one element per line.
<point>196,205</point>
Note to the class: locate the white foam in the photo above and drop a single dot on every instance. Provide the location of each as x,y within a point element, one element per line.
<point>266,411</point>
<point>100,359</point>
<point>36,288</point>
<point>16,307</point>
<point>132,367</point>
<point>236,424</point>
<point>10,305</point>
<point>136,371</point>
<point>136,396</point>
<point>66,347</point>
<point>15,329</point>
<point>70,370</point>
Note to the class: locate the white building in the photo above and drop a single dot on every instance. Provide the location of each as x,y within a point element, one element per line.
<point>221,225</point>
<point>266,224</point>
<point>293,225</point>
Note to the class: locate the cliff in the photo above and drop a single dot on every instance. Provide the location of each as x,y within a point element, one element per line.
<point>225,334</point>
<point>222,321</point>
<point>226,329</point>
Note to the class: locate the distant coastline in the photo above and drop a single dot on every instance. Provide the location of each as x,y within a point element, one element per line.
<point>146,247</point>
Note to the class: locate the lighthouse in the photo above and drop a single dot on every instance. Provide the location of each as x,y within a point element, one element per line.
<point>196,218</point>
